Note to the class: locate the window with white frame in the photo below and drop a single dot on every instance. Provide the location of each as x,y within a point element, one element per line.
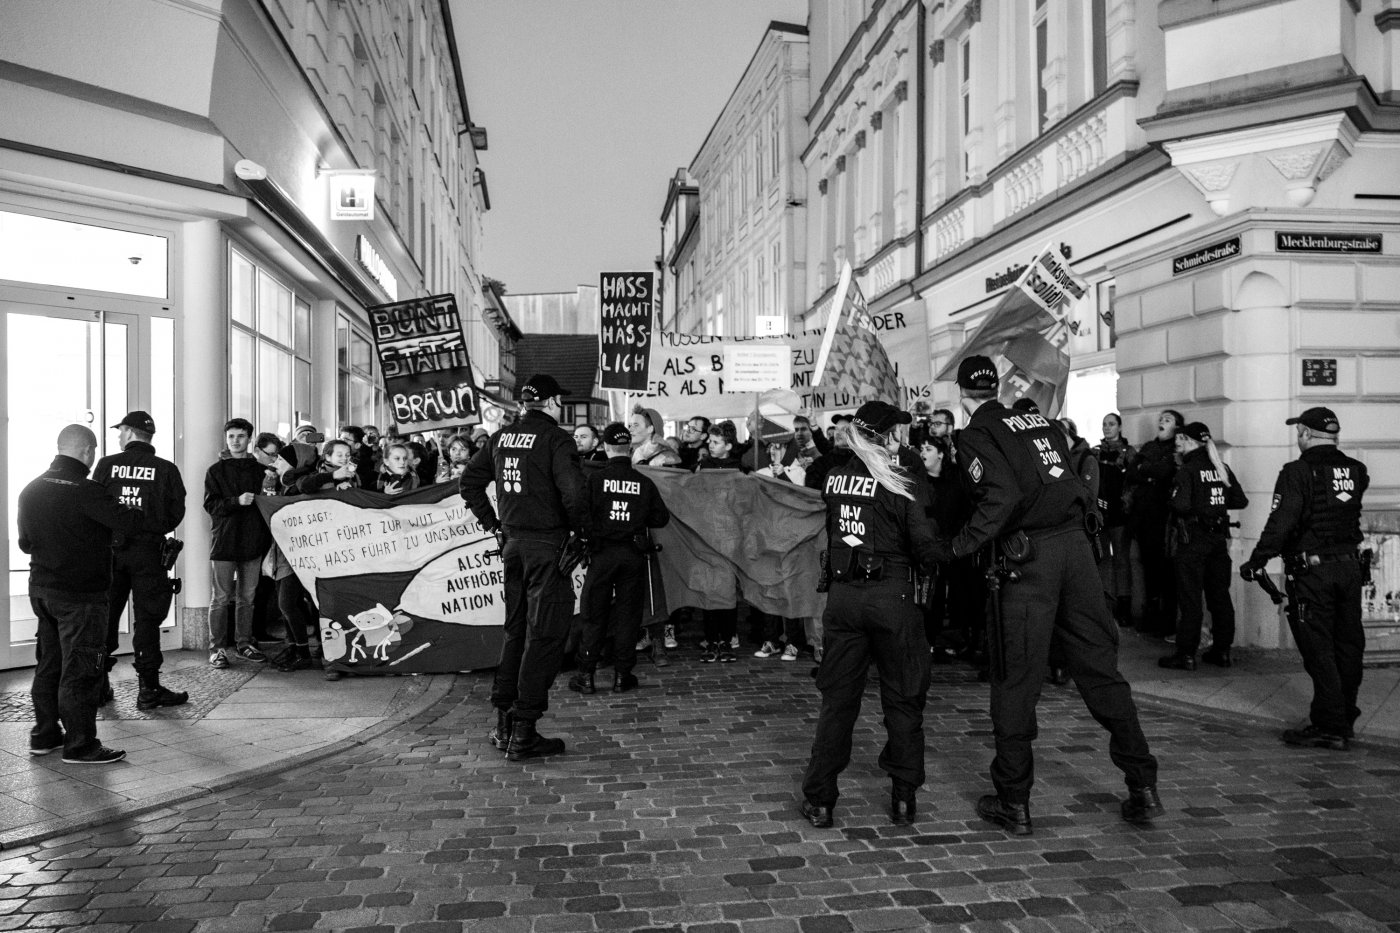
<point>1040,30</point>
<point>270,347</point>
<point>359,393</point>
<point>1098,46</point>
<point>965,103</point>
<point>776,275</point>
<point>775,135</point>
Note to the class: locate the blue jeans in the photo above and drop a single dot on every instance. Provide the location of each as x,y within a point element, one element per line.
<point>70,659</point>
<point>223,572</point>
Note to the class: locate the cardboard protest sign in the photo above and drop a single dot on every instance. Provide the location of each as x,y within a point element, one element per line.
<point>403,584</point>
<point>423,355</point>
<point>1026,332</point>
<point>625,327</point>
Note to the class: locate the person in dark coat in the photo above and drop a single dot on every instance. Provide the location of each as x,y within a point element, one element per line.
<point>240,540</point>
<point>1149,478</point>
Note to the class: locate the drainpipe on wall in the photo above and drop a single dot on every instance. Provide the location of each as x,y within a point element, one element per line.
<point>919,143</point>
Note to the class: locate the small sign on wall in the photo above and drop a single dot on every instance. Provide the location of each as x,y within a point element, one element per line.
<point>1319,372</point>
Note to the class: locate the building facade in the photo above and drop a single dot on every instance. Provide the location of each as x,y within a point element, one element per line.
<point>166,231</point>
<point>680,229</point>
<point>751,252</point>
<point>1232,205</point>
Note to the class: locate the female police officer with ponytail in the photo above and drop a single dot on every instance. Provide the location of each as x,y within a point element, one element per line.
<point>877,536</point>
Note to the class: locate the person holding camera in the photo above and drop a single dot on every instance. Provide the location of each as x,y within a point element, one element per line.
<point>152,485</point>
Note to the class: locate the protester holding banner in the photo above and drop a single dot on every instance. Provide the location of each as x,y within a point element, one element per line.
<point>1028,510</point>
<point>621,505</point>
<point>877,533</point>
<point>541,501</point>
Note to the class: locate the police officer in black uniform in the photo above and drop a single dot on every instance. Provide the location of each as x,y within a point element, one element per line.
<point>877,534</point>
<point>1203,490</point>
<point>136,477</point>
<point>622,505</point>
<point>540,494</point>
<point>1315,523</point>
<point>1029,507</point>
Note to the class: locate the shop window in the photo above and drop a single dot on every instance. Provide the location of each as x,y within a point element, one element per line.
<point>45,251</point>
<point>269,347</point>
<point>359,396</point>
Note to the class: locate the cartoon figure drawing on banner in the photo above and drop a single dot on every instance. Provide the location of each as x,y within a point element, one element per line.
<point>379,629</point>
<point>332,640</point>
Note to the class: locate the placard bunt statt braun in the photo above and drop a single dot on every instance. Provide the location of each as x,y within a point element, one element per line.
<point>423,356</point>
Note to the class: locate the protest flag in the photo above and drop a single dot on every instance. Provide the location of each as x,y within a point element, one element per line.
<point>1026,332</point>
<point>851,358</point>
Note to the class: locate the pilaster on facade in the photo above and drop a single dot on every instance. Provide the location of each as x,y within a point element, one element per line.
<point>1120,36</point>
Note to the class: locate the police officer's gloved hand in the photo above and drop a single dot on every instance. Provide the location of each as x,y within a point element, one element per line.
<point>1249,568</point>
<point>943,550</point>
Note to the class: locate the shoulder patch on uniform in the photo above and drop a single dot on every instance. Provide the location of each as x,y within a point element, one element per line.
<point>974,469</point>
<point>1273,506</point>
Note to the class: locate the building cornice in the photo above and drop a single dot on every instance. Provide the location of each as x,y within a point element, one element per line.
<point>774,28</point>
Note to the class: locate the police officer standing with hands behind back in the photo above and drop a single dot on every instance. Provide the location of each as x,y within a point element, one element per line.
<point>622,505</point>
<point>1029,507</point>
<point>1315,523</point>
<point>136,477</point>
<point>540,494</point>
<point>877,533</point>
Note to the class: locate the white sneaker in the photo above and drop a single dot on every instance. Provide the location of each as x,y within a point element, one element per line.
<point>218,659</point>
<point>669,639</point>
<point>767,651</point>
<point>790,653</point>
<point>817,654</point>
<point>734,643</point>
<point>644,643</point>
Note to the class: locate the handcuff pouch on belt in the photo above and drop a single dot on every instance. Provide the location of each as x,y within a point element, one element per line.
<point>170,549</point>
<point>851,566</point>
<point>1093,527</point>
<point>1017,547</point>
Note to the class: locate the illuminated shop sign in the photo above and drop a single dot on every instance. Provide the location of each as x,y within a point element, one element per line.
<point>352,195</point>
<point>374,264</point>
<point>1206,255</point>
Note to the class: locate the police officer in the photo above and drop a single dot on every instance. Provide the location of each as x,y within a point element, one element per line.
<point>877,533</point>
<point>540,494</point>
<point>65,524</point>
<point>621,505</point>
<point>136,477</point>
<point>1029,506</point>
<point>1315,523</point>
<point>1203,490</point>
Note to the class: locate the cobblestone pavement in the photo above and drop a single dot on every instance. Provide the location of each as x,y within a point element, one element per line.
<point>674,810</point>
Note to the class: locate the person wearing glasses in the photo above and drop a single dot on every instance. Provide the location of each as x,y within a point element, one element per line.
<point>589,448</point>
<point>695,441</point>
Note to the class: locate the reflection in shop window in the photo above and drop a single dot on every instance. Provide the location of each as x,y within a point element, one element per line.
<point>270,341</point>
<point>359,398</point>
<point>45,251</point>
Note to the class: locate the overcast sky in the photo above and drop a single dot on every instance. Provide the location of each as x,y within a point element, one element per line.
<point>591,105</point>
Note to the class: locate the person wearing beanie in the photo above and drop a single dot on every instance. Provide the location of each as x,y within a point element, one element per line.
<point>1203,491</point>
<point>878,534</point>
<point>1315,525</point>
<point>647,430</point>
<point>1028,515</point>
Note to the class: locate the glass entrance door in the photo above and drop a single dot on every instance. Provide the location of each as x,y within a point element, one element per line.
<point>62,367</point>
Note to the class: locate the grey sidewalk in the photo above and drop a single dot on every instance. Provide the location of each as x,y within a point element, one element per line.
<point>239,722</point>
<point>249,720</point>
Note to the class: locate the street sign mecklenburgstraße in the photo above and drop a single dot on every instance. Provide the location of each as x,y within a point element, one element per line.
<point>1286,241</point>
<point>1206,255</point>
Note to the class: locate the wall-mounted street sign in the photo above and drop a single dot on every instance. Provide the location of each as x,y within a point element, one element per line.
<point>352,195</point>
<point>1292,242</point>
<point>1319,372</point>
<point>1206,255</point>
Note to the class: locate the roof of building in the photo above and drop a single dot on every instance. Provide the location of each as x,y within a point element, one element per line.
<point>572,359</point>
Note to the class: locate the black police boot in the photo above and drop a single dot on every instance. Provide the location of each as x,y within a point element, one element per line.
<point>106,694</point>
<point>1178,662</point>
<point>902,806</point>
<point>1015,818</point>
<point>153,696</point>
<point>582,682</point>
<point>526,743</point>
<point>1220,657</point>
<point>818,816</point>
<point>1142,806</point>
<point>624,682</point>
<point>499,736</point>
<point>1313,737</point>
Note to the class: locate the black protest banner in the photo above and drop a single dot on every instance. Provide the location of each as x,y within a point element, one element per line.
<point>423,355</point>
<point>625,324</point>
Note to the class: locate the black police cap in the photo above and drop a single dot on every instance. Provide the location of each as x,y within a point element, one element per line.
<point>617,435</point>
<point>879,417</point>
<point>541,386</point>
<point>977,372</point>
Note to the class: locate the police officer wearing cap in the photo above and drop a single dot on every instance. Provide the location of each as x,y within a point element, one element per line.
<point>621,505</point>
<point>137,478</point>
<point>1029,507</point>
<point>1315,523</point>
<point>877,534</point>
<point>1202,492</point>
<point>540,497</point>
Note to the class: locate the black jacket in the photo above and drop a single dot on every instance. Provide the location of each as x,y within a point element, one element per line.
<point>138,478</point>
<point>65,524</point>
<point>622,503</point>
<point>865,521</point>
<point>1201,496</point>
<point>1316,506</point>
<point>239,532</point>
<point>539,486</point>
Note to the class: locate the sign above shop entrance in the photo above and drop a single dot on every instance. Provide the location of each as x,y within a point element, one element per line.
<point>1206,255</point>
<point>352,195</point>
<point>374,264</point>
<point>999,280</point>
<point>1290,242</point>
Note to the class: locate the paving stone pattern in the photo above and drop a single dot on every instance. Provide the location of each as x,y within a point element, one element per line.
<point>674,810</point>
<point>207,687</point>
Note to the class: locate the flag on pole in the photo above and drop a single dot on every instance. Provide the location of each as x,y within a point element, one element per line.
<point>1025,334</point>
<point>851,358</point>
